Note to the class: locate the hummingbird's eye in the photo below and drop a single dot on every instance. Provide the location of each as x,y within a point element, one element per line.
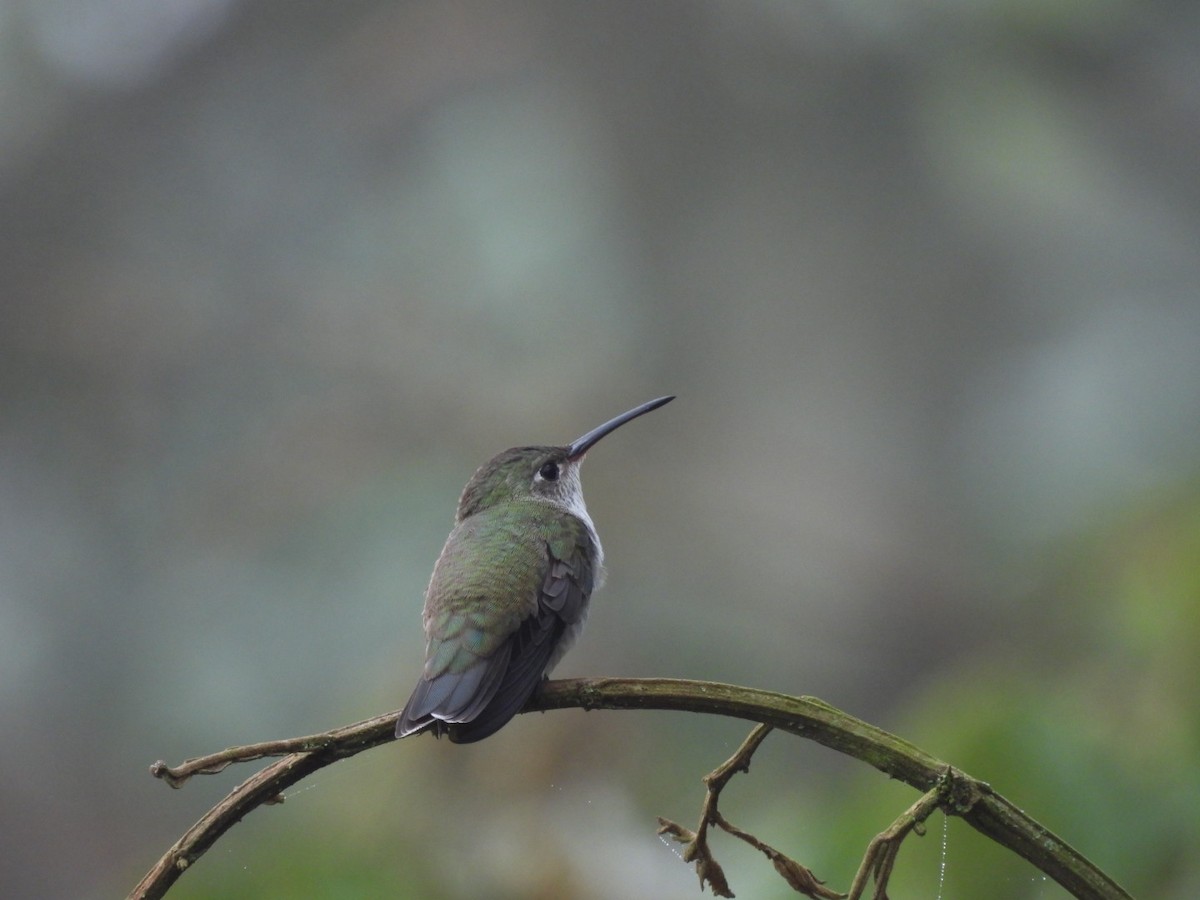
<point>549,471</point>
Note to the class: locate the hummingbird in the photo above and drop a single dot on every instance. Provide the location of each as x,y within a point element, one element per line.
<point>509,593</point>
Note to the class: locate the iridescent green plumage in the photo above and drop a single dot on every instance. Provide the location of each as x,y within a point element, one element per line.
<point>509,593</point>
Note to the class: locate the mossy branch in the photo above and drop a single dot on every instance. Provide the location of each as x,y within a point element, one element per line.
<point>972,800</point>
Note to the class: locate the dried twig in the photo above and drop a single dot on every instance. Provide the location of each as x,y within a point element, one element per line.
<point>799,877</point>
<point>212,763</point>
<point>880,857</point>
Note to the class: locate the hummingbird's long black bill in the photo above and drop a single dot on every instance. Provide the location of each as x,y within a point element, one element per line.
<point>580,446</point>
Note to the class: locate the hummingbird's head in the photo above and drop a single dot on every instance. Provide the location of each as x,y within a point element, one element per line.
<point>549,474</point>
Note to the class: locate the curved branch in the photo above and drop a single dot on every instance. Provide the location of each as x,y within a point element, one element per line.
<point>973,800</point>
<point>263,788</point>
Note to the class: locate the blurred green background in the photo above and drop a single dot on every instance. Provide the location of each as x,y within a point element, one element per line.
<point>277,276</point>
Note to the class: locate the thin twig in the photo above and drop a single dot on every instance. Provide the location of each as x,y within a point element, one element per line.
<point>799,877</point>
<point>881,852</point>
<point>697,850</point>
<point>212,763</point>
